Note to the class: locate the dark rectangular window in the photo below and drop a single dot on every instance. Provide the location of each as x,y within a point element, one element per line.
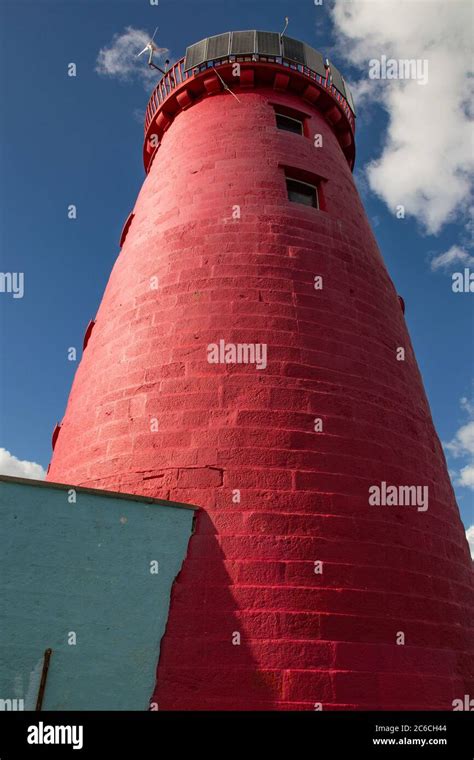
<point>302,192</point>
<point>289,124</point>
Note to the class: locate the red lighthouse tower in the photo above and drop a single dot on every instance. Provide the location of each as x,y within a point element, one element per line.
<point>250,356</point>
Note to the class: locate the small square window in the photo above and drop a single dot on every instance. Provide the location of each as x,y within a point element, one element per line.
<point>302,192</point>
<point>289,124</point>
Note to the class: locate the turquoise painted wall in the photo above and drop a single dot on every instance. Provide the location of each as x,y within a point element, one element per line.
<point>84,568</point>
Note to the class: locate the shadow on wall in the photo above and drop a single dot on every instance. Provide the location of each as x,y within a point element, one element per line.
<point>206,662</point>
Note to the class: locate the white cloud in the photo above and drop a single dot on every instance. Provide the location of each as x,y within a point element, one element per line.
<point>119,58</point>
<point>455,255</point>
<point>18,468</point>
<point>362,93</point>
<point>426,158</point>
<point>462,446</point>
<point>139,115</point>
<point>463,441</point>
<point>466,476</point>
<point>470,539</point>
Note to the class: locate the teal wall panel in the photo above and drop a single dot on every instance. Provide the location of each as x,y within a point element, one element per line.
<point>84,568</point>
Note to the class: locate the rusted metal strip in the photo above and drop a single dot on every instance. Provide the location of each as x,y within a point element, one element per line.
<point>44,675</point>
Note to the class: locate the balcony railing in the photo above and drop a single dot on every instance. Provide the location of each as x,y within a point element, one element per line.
<point>172,79</point>
<point>177,75</point>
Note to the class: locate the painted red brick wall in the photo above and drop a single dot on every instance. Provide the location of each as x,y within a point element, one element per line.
<point>305,638</point>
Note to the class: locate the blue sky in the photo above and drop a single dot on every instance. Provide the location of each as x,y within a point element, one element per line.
<point>68,140</point>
